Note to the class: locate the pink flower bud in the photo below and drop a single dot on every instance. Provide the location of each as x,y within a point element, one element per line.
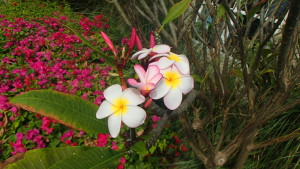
<point>108,42</point>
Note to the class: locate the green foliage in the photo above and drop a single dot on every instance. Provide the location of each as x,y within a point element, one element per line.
<point>175,11</point>
<point>68,157</point>
<point>70,110</point>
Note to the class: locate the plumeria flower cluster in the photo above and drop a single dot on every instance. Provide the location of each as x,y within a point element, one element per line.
<point>165,75</point>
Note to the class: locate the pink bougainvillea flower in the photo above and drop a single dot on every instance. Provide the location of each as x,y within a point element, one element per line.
<point>114,145</point>
<point>172,86</point>
<point>180,61</point>
<point>148,79</point>
<point>121,106</point>
<point>159,49</point>
<point>102,140</point>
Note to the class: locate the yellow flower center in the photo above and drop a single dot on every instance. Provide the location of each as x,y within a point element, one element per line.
<point>119,106</point>
<point>174,57</point>
<point>172,79</point>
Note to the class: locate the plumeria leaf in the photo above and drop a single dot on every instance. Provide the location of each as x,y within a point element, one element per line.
<point>67,158</point>
<point>108,59</point>
<point>175,11</point>
<point>67,109</point>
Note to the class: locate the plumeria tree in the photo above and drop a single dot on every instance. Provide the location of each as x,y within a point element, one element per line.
<point>245,61</point>
<point>232,82</point>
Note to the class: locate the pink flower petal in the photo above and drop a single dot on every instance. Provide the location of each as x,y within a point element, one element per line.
<point>140,72</point>
<point>151,72</point>
<point>155,79</point>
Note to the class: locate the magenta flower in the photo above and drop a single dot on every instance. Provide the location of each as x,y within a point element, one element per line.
<point>148,79</point>
<point>20,136</point>
<point>114,145</point>
<point>102,140</point>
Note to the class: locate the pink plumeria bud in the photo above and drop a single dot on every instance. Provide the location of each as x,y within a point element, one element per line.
<point>108,42</point>
<point>152,40</point>
<point>148,103</point>
<point>148,79</point>
<point>132,39</point>
<point>138,42</point>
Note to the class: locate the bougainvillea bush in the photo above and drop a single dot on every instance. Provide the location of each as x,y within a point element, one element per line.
<point>41,51</point>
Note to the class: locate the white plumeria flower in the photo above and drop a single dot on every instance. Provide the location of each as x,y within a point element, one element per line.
<point>180,61</point>
<point>121,106</point>
<point>160,49</point>
<point>172,86</point>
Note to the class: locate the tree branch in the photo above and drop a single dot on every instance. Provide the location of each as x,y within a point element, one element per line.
<point>288,33</point>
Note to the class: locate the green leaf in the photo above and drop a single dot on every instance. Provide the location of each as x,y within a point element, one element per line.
<point>67,109</point>
<point>68,158</point>
<point>220,11</point>
<point>140,148</point>
<point>175,11</point>
<point>108,59</point>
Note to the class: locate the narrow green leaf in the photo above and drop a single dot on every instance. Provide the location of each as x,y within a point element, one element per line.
<point>67,109</point>
<point>175,11</point>
<point>68,158</point>
<point>108,59</point>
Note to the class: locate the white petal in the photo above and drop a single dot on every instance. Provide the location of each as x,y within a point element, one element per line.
<point>134,117</point>
<point>143,55</point>
<point>112,92</point>
<point>104,110</point>
<point>138,53</point>
<point>133,96</point>
<point>158,55</point>
<point>114,125</point>
<point>161,48</point>
<point>186,85</point>
<point>160,90</point>
<point>164,63</point>
<point>173,99</point>
<point>183,67</point>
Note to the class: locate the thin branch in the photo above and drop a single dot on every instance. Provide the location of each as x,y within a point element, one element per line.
<point>156,22</point>
<point>294,134</point>
<point>142,13</point>
<point>120,10</point>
